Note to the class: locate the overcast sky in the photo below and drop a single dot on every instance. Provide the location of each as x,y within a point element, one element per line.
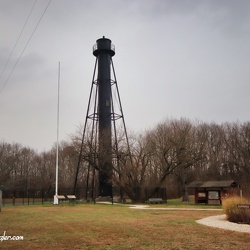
<point>173,59</point>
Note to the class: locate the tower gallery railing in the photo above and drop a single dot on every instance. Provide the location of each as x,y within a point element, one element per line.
<point>112,47</point>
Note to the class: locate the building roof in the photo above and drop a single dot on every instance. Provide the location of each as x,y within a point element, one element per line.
<point>213,184</point>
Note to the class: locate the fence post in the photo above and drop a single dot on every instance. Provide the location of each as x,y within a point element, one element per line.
<point>42,195</point>
<point>1,195</point>
<point>14,199</point>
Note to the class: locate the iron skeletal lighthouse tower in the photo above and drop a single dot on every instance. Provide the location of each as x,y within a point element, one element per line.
<point>101,140</point>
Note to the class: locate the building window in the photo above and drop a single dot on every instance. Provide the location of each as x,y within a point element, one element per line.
<point>202,195</point>
<point>213,195</point>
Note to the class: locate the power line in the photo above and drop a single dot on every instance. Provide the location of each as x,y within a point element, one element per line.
<point>18,39</point>
<point>25,47</point>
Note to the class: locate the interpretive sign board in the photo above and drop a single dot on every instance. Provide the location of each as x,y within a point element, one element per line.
<point>244,206</point>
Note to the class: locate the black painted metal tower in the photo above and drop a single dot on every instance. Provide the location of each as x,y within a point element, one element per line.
<point>100,143</point>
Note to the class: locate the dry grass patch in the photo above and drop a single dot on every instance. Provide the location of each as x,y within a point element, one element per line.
<point>113,227</point>
<point>233,212</point>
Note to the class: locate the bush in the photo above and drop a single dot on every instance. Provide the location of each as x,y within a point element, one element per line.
<point>235,214</point>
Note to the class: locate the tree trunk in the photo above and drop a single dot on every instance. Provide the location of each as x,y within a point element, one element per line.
<point>185,196</point>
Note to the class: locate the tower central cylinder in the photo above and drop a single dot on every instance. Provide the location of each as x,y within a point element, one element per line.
<point>104,50</point>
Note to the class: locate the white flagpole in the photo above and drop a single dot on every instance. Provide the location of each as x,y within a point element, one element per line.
<point>57,146</point>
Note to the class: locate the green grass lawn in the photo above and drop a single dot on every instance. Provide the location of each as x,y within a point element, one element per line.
<point>100,226</point>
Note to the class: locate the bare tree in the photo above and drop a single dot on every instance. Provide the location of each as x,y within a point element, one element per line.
<point>237,163</point>
<point>132,176</point>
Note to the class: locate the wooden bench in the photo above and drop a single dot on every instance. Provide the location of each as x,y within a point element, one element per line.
<point>155,200</point>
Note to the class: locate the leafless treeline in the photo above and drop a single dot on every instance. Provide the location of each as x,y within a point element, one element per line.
<point>173,154</point>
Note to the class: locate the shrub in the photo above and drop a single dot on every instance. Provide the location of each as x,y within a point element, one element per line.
<point>235,214</point>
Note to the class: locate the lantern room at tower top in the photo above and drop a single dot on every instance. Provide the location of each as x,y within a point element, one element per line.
<point>103,45</point>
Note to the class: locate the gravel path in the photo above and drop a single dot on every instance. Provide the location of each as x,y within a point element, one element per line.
<point>171,208</point>
<point>218,221</point>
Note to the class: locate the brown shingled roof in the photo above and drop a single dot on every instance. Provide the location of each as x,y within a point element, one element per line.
<point>213,184</point>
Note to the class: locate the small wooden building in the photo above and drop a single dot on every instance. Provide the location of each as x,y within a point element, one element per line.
<point>211,192</point>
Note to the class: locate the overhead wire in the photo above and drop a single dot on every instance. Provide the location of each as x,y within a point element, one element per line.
<point>18,38</point>
<point>40,19</point>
